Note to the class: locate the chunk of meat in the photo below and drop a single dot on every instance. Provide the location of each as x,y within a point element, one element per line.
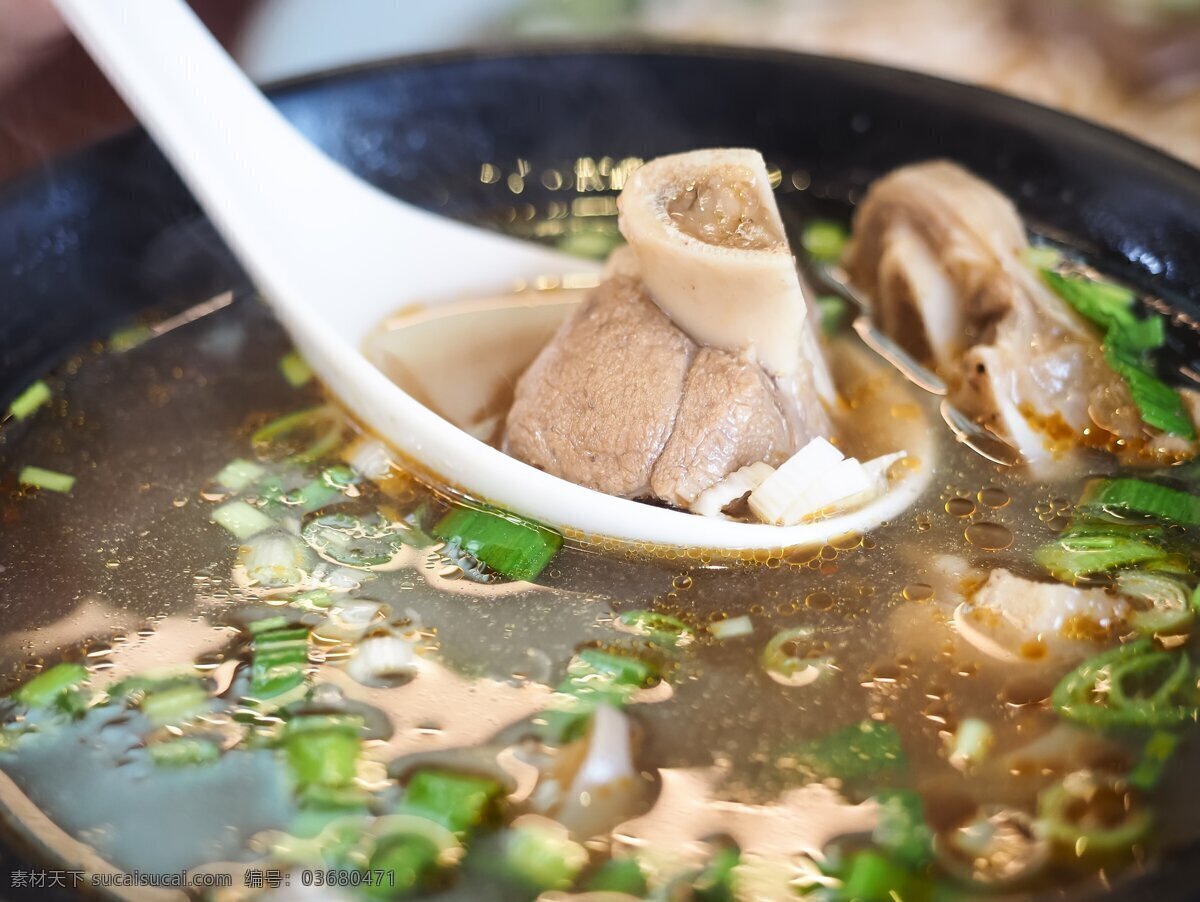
<point>695,356</point>
<point>1024,610</point>
<point>712,251</point>
<point>729,418</point>
<point>599,402</point>
<point>939,252</point>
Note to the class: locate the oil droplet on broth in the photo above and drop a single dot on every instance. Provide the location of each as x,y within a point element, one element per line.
<point>993,497</point>
<point>819,601</point>
<point>989,536</point>
<point>917,592</point>
<point>960,507</point>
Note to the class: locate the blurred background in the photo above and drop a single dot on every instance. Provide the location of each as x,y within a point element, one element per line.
<point>1131,64</point>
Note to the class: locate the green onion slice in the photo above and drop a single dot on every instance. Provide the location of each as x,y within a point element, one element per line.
<point>511,546</point>
<point>28,401</point>
<point>459,802</point>
<point>860,750</point>
<point>280,661</point>
<point>176,704</point>
<point>295,369</point>
<point>241,519</point>
<point>1170,608</point>
<point>1072,557</point>
<point>49,686</point>
<point>1141,497</point>
<point>793,657</point>
<point>184,752</point>
<point>50,480</point>
<point>660,628</point>
<point>301,437</point>
<point>323,749</point>
<point>1158,404</point>
<point>824,241</point>
<point>1157,752</point>
<point>1070,813</point>
<point>1132,685</point>
<point>1127,341</point>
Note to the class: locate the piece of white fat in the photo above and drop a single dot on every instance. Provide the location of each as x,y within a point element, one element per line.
<point>714,500</point>
<point>847,480</point>
<point>820,480</point>
<point>771,500</point>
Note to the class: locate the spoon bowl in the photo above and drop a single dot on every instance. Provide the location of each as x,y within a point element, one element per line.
<point>333,255</point>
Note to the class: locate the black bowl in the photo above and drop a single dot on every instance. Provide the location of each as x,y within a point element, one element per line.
<point>94,238</point>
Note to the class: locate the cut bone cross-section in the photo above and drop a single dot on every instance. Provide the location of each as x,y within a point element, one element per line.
<point>696,357</point>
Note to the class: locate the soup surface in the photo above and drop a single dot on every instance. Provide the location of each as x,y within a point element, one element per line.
<point>249,652</point>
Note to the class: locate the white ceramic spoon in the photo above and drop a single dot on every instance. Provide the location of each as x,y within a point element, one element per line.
<point>333,256</point>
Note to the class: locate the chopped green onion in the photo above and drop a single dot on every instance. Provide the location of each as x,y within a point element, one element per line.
<point>405,861</point>
<point>509,545</point>
<point>285,438</point>
<point>1126,342</point>
<point>901,829</point>
<point>1141,497</point>
<point>280,662</point>
<point>273,559</point>
<point>51,480</point>
<point>660,628</point>
<point>48,686</point>
<point>1095,692</point>
<point>240,519</point>
<point>368,541</point>
<point>1106,305</point>
<point>833,310</point>
<point>715,882</point>
<point>784,660</point>
<point>824,241</point>
<point>1071,557</point>
<point>184,752</point>
<point>544,858</point>
<point>316,600</point>
<point>618,875</point>
<point>1170,602</point>
<point>623,670</point>
<point>323,749</point>
<point>872,877</point>
<point>853,753</point>
<point>28,401</point>
<point>295,369</point>
<point>1063,813</point>
<point>972,741</point>
<point>267,624</point>
<point>175,704</point>
<point>1158,750</point>
<point>596,677</point>
<point>1158,404</point>
<point>239,474</point>
<point>135,688</point>
<point>731,627</point>
<point>458,802</point>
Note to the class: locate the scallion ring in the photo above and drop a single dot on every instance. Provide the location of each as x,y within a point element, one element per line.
<point>786,662</point>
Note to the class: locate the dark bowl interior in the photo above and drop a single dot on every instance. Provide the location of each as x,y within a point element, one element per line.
<point>92,239</point>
